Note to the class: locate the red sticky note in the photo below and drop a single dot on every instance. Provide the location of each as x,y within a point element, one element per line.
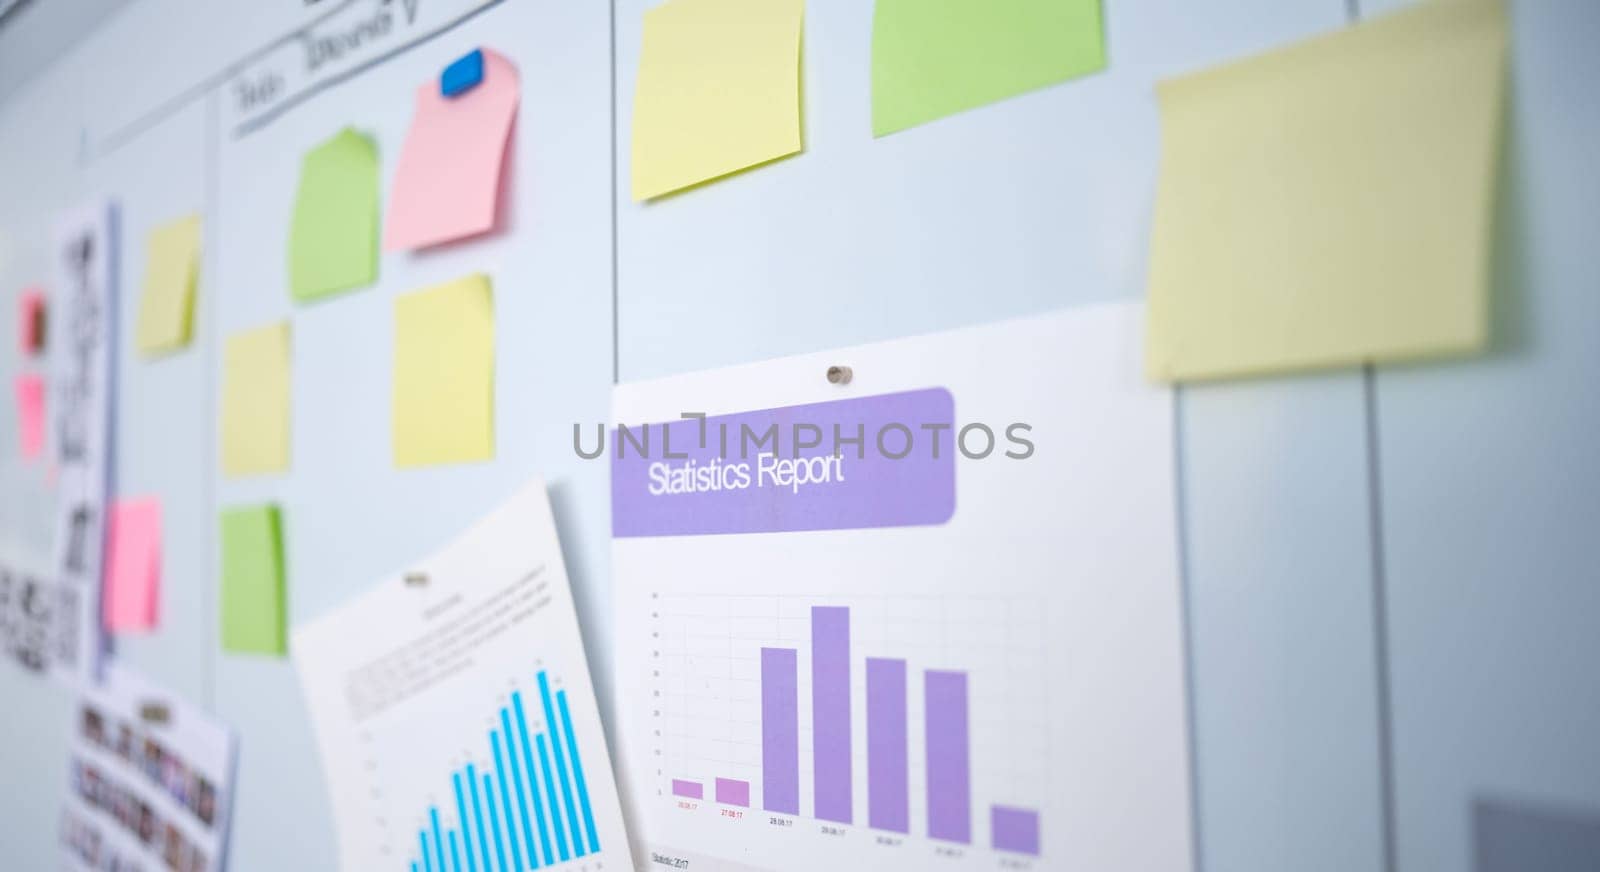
<point>30,320</point>
<point>448,183</point>
<point>30,415</point>
<point>133,565</point>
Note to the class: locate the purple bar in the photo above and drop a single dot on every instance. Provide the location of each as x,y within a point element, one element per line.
<point>1015,829</point>
<point>688,789</point>
<point>780,731</point>
<point>739,473</point>
<point>731,791</point>
<point>830,711</point>
<point>888,806</point>
<point>949,779</point>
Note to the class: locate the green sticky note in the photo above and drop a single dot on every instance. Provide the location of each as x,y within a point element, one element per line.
<point>333,243</point>
<point>932,58</point>
<point>253,603</point>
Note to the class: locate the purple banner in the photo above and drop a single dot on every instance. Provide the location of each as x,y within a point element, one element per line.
<point>880,461</point>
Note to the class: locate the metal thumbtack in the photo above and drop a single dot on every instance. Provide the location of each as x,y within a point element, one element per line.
<point>416,579</point>
<point>154,712</point>
<point>839,375</point>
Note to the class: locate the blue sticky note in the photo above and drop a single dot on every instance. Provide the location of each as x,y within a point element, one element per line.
<point>463,74</point>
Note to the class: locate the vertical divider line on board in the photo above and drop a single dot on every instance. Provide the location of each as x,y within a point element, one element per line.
<point>1380,620</point>
<point>209,299</point>
<point>616,311</point>
<point>1380,593</point>
<point>1191,731</point>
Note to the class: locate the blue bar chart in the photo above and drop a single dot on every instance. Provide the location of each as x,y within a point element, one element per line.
<point>527,807</point>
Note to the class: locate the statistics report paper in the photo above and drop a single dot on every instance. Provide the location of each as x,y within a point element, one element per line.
<point>928,618</point>
<point>151,781</point>
<point>454,713</point>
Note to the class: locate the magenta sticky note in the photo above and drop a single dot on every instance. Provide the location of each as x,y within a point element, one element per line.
<point>30,321</point>
<point>133,566</point>
<point>448,183</point>
<point>30,415</point>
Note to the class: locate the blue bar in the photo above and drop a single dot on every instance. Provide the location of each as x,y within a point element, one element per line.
<point>427,858</point>
<point>533,775</point>
<point>438,841</point>
<point>477,813</point>
<point>577,771</point>
<point>455,853</point>
<point>414,866</point>
<point>561,762</point>
<point>550,790</point>
<point>466,834</point>
<point>494,823</point>
<point>505,799</point>
<point>516,779</point>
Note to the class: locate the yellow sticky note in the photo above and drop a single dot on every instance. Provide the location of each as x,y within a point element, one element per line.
<point>172,265</point>
<point>255,401</point>
<point>718,91</point>
<point>443,408</point>
<point>1330,203</point>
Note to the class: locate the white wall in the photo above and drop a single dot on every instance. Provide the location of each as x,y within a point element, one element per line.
<point>1391,559</point>
<point>34,33</point>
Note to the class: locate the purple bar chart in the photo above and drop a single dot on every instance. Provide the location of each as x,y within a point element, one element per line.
<point>914,769</point>
<point>732,791</point>
<point>688,789</point>
<point>780,731</point>
<point>887,747</point>
<point>949,775</point>
<point>830,712</point>
<point>1014,829</point>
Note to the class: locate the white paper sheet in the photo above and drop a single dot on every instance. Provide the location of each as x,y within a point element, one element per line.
<point>466,667</point>
<point>150,781</point>
<point>84,350</point>
<point>28,619</point>
<point>1014,695</point>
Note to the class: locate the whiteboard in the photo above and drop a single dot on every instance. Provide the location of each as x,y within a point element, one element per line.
<point>1388,574</point>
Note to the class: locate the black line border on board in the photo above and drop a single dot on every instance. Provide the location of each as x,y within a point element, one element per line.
<point>273,114</point>
<point>125,134</point>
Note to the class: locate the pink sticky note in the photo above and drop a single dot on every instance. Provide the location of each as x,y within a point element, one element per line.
<point>447,186</point>
<point>133,565</point>
<point>30,320</point>
<point>30,415</point>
